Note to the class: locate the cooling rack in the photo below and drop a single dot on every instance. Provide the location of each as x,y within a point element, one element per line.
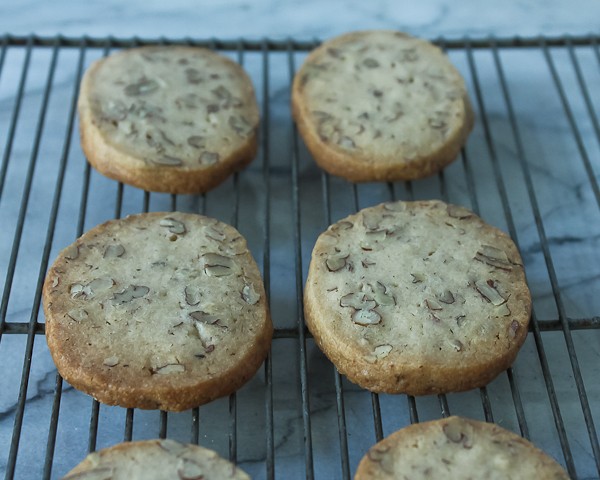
<point>530,167</point>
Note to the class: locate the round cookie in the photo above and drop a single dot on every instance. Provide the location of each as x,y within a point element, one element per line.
<point>158,310</point>
<point>457,448</point>
<point>381,106</point>
<point>168,119</point>
<point>155,460</point>
<point>417,298</point>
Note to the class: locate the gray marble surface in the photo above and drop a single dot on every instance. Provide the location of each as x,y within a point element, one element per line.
<point>568,208</point>
<point>298,18</point>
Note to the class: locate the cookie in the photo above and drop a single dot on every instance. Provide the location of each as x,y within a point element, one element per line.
<point>158,310</point>
<point>155,460</point>
<point>417,298</point>
<point>168,119</point>
<point>381,106</point>
<point>457,448</point>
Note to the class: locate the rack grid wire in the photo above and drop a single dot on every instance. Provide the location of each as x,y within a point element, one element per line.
<point>530,167</point>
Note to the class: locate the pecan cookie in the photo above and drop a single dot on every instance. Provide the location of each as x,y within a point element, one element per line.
<point>417,297</point>
<point>158,310</point>
<point>457,448</point>
<point>381,106</point>
<point>168,119</point>
<point>155,460</point>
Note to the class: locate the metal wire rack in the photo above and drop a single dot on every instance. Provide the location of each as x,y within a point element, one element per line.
<point>531,167</point>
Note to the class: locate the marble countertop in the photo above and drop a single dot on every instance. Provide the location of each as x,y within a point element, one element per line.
<point>300,19</point>
<point>554,148</point>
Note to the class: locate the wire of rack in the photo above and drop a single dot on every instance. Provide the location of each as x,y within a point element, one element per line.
<point>299,418</point>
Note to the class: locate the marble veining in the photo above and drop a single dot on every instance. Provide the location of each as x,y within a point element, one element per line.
<point>303,19</point>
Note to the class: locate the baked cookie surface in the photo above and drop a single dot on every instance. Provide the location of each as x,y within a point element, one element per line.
<point>381,106</point>
<point>157,310</point>
<point>457,448</point>
<point>417,298</point>
<point>155,460</point>
<point>168,119</point>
